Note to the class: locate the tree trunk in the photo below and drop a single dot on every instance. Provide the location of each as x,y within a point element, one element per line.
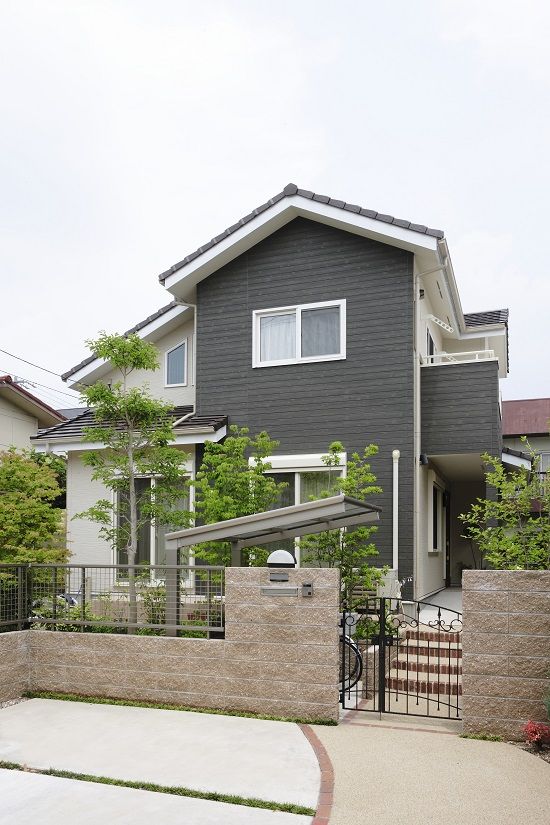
<point>132,546</point>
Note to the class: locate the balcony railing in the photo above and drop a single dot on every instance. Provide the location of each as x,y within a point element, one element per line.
<point>458,357</point>
<point>167,600</point>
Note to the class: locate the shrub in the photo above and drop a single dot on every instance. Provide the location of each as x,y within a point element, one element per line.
<point>537,734</point>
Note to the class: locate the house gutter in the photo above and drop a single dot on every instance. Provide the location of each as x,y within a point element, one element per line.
<point>395,509</point>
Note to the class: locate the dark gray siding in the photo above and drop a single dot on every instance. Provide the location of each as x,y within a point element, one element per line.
<point>366,398</point>
<point>460,409</point>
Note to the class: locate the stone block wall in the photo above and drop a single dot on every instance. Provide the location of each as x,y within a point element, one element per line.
<point>279,656</point>
<point>14,664</point>
<point>506,649</point>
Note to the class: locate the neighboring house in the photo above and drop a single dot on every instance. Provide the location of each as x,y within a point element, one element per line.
<point>318,320</point>
<point>528,417</point>
<point>22,414</point>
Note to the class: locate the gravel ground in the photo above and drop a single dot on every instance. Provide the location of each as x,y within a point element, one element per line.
<point>10,702</point>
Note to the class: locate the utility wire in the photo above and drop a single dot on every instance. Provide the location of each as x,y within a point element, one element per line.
<point>44,386</point>
<point>30,363</point>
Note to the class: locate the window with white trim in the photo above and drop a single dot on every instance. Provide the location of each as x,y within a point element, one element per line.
<point>307,478</point>
<point>299,334</point>
<point>151,534</point>
<point>176,365</point>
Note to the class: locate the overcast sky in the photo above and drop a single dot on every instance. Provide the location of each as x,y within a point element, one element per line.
<point>132,132</point>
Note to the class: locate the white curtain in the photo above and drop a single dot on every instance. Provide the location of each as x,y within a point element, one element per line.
<point>278,337</point>
<point>320,331</point>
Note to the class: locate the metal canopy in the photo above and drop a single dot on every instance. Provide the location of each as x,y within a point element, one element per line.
<point>274,525</point>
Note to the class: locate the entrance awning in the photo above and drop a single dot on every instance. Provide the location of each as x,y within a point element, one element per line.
<point>274,525</point>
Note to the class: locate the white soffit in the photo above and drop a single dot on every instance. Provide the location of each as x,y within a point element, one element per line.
<point>150,332</point>
<point>181,282</point>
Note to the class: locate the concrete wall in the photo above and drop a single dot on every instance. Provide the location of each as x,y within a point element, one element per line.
<point>83,540</point>
<point>506,649</point>
<point>14,664</point>
<point>16,426</point>
<point>279,656</point>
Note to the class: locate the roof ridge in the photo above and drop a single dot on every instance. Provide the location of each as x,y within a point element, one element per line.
<point>290,190</point>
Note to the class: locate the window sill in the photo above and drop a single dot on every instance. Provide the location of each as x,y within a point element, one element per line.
<point>292,361</point>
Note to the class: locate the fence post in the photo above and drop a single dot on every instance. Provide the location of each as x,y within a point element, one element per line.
<point>382,656</point>
<point>172,589</point>
<point>21,597</point>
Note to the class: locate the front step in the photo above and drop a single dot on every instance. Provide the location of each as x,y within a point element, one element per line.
<point>431,653</point>
<point>433,636</point>
<point>420,686</point>
<point>425,667</point>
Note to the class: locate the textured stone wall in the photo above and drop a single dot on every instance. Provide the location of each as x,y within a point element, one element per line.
<point>14,664</point>
<point>279,657</point>
<point>506,649</point>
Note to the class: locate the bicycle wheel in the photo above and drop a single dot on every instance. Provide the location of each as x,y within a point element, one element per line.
<point>351,663</point>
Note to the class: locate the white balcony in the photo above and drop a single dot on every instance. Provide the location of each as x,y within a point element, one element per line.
<point>458,357</point>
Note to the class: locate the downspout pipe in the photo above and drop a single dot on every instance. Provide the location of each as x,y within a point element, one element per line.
<point>395,509</point>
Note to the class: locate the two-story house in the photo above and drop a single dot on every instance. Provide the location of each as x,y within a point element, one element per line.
<point>318,320</point>
<point>22,414</point>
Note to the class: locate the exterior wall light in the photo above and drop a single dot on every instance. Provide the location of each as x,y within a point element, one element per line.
<point>281,558</point>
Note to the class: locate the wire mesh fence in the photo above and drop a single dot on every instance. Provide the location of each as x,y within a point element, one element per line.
<point>173,600</point>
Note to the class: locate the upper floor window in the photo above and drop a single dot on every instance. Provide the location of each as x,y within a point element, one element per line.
<point>297,334</point>
<point>176,366</point>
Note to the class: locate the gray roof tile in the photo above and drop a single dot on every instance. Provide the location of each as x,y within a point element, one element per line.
<point>492,316</point>
<point>291,190</point>
<point>74,428</point>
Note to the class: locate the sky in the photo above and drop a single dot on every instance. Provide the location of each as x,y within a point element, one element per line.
<point>133,132</point>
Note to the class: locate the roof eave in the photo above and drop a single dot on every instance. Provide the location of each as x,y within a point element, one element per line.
<point>182,278</point>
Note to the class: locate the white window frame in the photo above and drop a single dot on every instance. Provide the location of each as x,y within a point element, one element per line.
<point>295,465</point>
<point>188,470</point>
<point>435,483</point>
<point>185,365</point>
<point>298,309</point>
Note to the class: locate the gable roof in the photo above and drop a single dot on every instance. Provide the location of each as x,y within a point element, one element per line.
<point>33,405</point>
<point>481,319</point>
<point>136,328</point>
<point>527,416</point>
<point>291,191</point>
<point>73,429</point>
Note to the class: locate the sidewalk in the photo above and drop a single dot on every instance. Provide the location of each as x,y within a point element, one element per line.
<point>420,771</point>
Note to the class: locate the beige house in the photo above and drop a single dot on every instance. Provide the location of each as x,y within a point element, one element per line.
<point>22,414</point>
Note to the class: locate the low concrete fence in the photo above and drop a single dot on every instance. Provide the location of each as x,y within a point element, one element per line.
<point>279,656</point>
<point>506,649</point>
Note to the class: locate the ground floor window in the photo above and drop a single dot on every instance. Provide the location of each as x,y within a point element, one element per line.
<point>151,548</point>
<point>302,486</point>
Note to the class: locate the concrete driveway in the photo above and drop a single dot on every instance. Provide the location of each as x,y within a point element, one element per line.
<point>250,758</point>
<point>420,771</point>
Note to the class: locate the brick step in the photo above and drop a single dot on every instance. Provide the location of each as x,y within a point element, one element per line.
<point>433,635</point>
<point>434,676</point>
<point>440,688</point>
<point>412,666</point>
<point>432,652</point>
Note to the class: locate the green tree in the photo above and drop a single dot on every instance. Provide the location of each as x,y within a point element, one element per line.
<point>137,434</point>
<point>29,523</point>
<point>511,527</point>
<point>232,482</point>
<point>348,549</point>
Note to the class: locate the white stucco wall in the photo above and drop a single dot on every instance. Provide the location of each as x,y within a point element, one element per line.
<point>16,426</point>
<point>156,379</point>
<point>83,539</point>
<point>430,575</point>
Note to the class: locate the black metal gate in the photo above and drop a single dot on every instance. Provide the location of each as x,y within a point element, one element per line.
<point>401,656</point>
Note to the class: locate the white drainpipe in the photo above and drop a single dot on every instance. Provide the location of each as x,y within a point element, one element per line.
<point>395,508</point>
